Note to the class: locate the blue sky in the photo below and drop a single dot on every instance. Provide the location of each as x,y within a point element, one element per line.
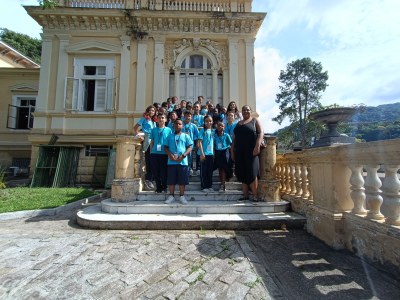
<point>357,42</point>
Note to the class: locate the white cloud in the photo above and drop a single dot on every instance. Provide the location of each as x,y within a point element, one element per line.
<point>356,41</point>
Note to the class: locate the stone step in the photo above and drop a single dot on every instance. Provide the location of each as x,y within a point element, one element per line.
<point>94,217</point>
<point>196,186</point>
<point>193,207</point>
<point>229,195</point>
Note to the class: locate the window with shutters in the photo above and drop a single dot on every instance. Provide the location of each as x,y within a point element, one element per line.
<point>92,89</point>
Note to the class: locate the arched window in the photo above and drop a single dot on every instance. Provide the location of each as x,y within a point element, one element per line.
<point>196,79</point>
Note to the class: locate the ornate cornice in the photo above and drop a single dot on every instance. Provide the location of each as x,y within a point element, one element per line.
<point>153,22</point>
<point>217,49</point>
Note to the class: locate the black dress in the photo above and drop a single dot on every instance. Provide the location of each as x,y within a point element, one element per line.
<point>247,166</point>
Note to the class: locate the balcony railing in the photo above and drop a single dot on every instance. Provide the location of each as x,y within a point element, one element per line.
<point>179,5</point>
<point>119,4</point>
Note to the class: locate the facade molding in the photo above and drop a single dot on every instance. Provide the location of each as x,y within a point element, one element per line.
<point>93,47</point>
<point>24,87</point>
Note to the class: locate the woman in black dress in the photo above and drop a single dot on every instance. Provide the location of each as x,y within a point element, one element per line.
<point>246,148</point>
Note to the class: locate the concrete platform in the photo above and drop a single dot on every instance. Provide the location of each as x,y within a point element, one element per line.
<point>193,207</point>
<point>94,217</point>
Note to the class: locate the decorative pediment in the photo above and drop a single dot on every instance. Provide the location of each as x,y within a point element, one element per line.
<point>93,47</point>
<point>24,87</point>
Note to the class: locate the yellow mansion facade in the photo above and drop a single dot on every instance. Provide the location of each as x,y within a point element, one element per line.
<point>105,61</point>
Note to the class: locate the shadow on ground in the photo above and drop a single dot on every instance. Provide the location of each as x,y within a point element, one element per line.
<point>303,267</point>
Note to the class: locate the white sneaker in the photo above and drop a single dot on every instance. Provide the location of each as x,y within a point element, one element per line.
<point>211,190</point>
<point>204,190</point>
<point>196,173</point>
<point>182,200</point>
<point>170,199</point>
<point>191,172</point>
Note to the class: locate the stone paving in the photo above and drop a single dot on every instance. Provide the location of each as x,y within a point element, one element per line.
<point>53,258</point>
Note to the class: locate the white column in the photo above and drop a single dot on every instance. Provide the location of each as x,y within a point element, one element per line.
<point>158,88</point>
<point>215,85</point>
<point>123,93</point>
<point>62,71</point>
<point>225,83</point>
<point>177,71</point>
<point>44,79</point>
<point>141,76</point>
<point>166,92</point>
<point>250,75</point>
<point>234,72</point>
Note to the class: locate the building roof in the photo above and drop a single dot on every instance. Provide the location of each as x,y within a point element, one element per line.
<point>11,58</point>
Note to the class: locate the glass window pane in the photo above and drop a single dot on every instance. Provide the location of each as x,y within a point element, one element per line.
<point>101,70</point>
<point>89,70</point>
<point>196,62</point>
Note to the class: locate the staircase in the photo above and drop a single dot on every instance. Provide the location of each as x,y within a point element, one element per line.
<point>212,210</point>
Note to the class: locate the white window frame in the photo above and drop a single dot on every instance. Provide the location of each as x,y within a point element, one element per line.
<point>79,85</point>
<point>16,102</point>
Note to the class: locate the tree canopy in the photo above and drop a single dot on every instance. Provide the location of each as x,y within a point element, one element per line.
<point>23,43</point>
<point>300,93</point>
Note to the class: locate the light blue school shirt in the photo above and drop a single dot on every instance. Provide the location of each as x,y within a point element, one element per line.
<point>230,128</point>
<point>177,144</point>
<point>222,142</point>
<point>207,140</point>
<point>191,130</point>
<point>199,120</point>
<point>203,111</point>
<point>147,125</point>
<point>159,136</point>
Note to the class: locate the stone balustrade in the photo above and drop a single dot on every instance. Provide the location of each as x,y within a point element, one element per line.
<point>178,5</point>
<point>350,195</point>
<point>119,4</point>
<point>345,179</point>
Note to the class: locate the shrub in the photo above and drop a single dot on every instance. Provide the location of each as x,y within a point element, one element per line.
<point>2,178</point>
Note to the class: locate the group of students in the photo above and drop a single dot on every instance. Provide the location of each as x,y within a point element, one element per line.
<point>169,143</point>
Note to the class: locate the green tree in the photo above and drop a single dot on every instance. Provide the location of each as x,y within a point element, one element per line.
<point>300,93</point>
<point>23,43</point>
<point>48,3</point>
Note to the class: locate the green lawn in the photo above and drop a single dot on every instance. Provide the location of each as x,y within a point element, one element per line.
<point>24,198</point>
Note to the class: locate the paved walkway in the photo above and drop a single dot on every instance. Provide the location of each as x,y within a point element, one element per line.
<point>53,258</point>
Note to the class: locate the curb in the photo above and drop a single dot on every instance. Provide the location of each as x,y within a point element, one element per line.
<point>51,211</point>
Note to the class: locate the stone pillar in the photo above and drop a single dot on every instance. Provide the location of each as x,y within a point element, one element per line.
<point>268,187</point>
<point>45,74</point>
<point>127,183</point>
<point>62,71</point>
<point>141,76</point>
<point>124,74</point>
<point>234,72</point>
<point>166,90</point>
<point>158,92</point>
<point>177,72</point>
<point>250,75</point>
<point>215,86</point>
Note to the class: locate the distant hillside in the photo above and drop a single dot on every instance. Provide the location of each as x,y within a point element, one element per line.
<point>376,123</point>
<point>381,113</point>
<point>369,124</point>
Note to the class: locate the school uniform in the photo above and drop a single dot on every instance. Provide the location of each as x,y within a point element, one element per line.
<point>222,156</point>
<point>159,158</point>
<point>193,132</point>
<point>178,171</point>
<point>147,124</point>
<point>206,138</point>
